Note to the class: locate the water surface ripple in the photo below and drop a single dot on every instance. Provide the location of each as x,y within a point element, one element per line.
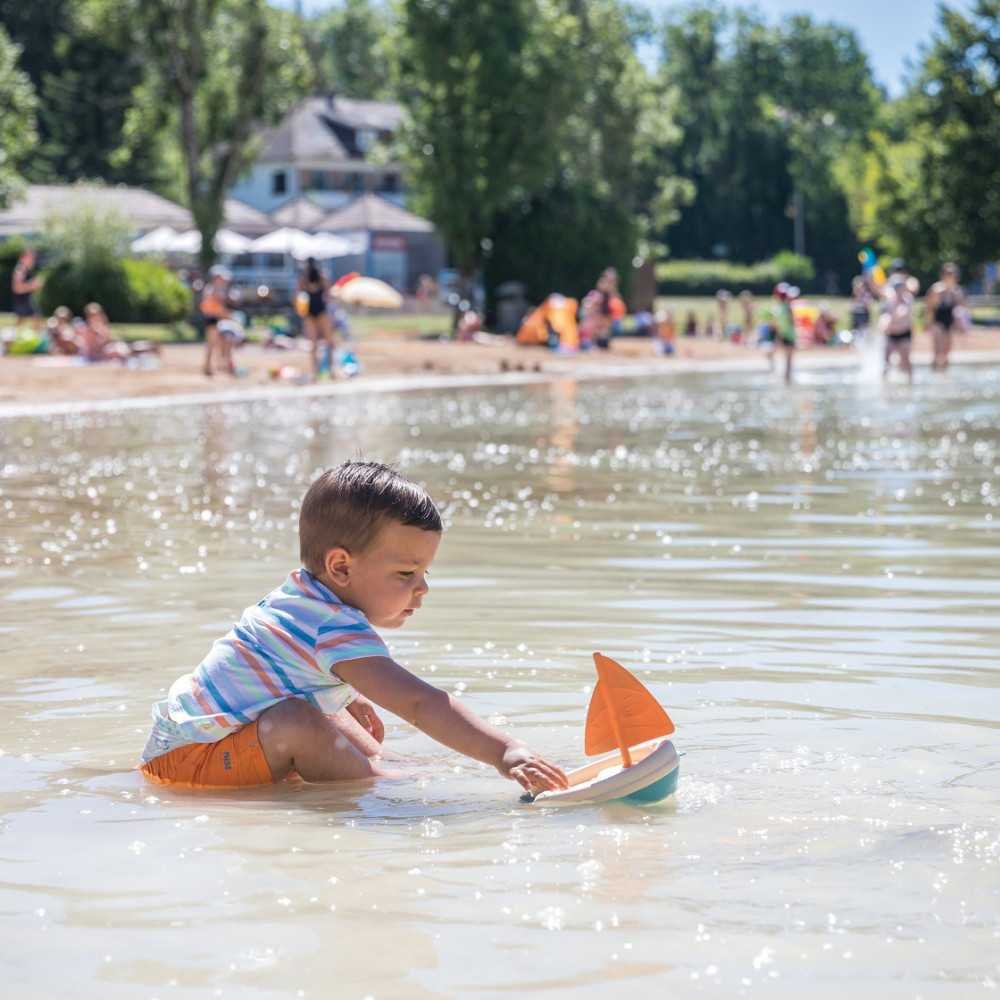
<point>808,579</point>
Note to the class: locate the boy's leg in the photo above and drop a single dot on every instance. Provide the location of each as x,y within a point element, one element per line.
<point>296,736</point>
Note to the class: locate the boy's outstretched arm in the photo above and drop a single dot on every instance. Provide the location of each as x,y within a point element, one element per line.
<point>448,721</point>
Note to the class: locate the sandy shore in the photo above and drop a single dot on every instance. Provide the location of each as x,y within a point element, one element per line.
<point>27,383</point>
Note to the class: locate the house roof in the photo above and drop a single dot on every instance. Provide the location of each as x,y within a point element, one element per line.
<point>374,214</point>
<point>323,129</point>
<point>300,213</point>
<point>245,219</point>
<point>141,209</point>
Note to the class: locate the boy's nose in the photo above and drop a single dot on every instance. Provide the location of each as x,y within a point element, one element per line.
<point>423,586</point>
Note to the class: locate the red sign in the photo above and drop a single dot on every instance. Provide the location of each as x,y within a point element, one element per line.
<point>384,242</point>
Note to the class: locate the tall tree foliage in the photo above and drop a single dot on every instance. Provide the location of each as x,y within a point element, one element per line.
<point>84,63</point>
<point>17,119</point>
<point>225,67</point>
<point>487,89</point>
<point>349,50</point>
<point>609,189</point>
<point>85,100</point>
<point>764,112</point>
<point>943,201</point>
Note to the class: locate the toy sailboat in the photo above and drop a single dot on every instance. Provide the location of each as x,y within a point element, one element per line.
<point>626,719</point>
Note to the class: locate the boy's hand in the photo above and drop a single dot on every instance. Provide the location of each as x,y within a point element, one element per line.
<point>533,773</point>
<point>364,711</point>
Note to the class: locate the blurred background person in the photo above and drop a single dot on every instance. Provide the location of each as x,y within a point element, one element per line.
<point>944,303</point>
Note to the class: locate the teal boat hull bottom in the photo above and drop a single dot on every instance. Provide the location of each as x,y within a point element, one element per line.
<point>657,791</point>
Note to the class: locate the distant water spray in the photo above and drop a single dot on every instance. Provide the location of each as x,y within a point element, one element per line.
<point>870,350</point>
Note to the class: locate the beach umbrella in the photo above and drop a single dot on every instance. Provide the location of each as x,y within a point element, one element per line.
<point>323,246</point>
<point>369,292</point>
<point>226,241</point>
<point>155,241</point>
<point>285,240</point>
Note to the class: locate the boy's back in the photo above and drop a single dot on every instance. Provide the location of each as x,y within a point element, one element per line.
<point>286,646</point>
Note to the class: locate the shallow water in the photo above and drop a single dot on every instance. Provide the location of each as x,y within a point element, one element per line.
<point>807,579</point>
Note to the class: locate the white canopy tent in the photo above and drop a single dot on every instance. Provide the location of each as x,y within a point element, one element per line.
<point>155,241</point>
<point>300,245</point>
<point>166,240</point>
<point>226,241</point>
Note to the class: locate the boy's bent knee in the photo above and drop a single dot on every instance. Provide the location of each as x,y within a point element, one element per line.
<point>295,735</point>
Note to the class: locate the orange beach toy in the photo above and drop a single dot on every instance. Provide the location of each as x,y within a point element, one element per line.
<point>625,719</point>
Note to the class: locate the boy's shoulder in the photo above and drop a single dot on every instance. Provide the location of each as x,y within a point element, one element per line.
<point>308,602</point>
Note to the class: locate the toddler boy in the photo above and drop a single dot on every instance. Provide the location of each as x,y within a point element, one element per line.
<point>290,687</point>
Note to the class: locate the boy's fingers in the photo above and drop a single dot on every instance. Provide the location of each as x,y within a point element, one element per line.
<point>553,775</point>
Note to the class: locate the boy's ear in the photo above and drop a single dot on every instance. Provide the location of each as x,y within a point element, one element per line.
<point>337,563</point>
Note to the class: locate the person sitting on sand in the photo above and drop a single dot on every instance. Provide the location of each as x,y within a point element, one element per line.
<point>469,324</point>
<point>97,342</point>
<point>290,688</point>
<point>62,337</point>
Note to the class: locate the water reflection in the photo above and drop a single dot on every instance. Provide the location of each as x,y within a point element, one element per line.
<point>806,578</point>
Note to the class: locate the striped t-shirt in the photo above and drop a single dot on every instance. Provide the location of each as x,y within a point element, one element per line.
<point>287,646</point>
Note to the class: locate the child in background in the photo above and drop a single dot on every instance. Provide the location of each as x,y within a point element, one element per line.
<point>292,686</point>
<point>666,332</point>
<point>896,321</point>
<point>784,295</point>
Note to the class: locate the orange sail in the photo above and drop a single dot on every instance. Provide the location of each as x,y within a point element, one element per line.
<point>622,712</point>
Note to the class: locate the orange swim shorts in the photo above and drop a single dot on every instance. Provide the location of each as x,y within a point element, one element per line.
<point>237,761</point>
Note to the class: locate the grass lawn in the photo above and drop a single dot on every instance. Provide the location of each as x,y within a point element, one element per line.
<point>362,325</point>
<point>705,309</point>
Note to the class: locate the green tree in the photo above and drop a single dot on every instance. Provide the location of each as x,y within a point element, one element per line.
<point>32,27</point>
<point>223,68</point>
<point>17,119</point>
<point>610,189</point>
<point>350,51</point>
<point>925,185</point>
<point>955,207</point>
<point>85,100</point>
<point>85,63</point>
<point>764,112</point>
<point>824,96</point>
<point>488,87</point>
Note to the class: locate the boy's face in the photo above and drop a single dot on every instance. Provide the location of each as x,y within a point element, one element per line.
<point>388,580</point>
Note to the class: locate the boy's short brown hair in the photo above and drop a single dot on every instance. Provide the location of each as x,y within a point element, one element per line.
<point>346,506</point>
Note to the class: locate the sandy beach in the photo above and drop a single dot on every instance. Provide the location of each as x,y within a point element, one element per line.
<point>39,380</point>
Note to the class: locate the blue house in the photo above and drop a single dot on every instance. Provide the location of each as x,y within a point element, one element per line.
<point>323,149</point>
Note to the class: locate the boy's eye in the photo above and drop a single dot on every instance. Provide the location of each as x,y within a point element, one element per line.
<point>406,574</point>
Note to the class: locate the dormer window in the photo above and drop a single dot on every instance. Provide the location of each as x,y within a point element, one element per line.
<point>279,182</point>
<point>365,139</point>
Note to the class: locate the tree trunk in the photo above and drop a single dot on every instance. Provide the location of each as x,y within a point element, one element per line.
<point>799,210</point>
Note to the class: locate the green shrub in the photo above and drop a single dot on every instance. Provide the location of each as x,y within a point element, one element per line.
<point>155,293</point>
<point>706,277</point>
<point>73,285</point>
<point>10,250</point>
<point>131,291</point>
